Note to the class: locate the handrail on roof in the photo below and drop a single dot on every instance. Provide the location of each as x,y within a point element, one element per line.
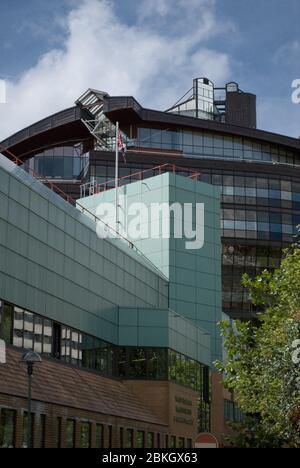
<point>93,188</point>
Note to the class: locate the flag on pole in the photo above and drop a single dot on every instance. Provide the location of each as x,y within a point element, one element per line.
<point>122,146</point>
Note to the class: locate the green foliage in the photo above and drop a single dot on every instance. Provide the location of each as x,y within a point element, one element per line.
<point>252,434</point>
<point>259,368</point>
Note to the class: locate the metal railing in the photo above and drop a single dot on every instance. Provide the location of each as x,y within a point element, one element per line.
<point>93,188</point>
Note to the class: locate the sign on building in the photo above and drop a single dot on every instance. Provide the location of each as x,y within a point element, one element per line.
<point>2,352</point>
<point>206,441</point>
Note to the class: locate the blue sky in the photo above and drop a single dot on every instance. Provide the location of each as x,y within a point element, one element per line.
<point>50,52</point>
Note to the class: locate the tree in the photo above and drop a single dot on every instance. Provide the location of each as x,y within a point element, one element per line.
<point>259,367</point>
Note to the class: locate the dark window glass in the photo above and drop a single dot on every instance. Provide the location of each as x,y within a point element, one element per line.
<point>121,437</point>
<point>42,431</point>
<point>110,429</point>
<point>25,430</point>
<point>129,438</point>
<point>206,385</point>
<point>99,436</point>
<point>140,439</point>
<point>189,443</point>
<point>7,428</point>
<point>150,440</point>
<point>58,424</point>
<point>173,442</point>
<point>85,435</point>
<point>180,442</point>
<point>70,434</point>
<point>137,362</point>
<point>6,322</point>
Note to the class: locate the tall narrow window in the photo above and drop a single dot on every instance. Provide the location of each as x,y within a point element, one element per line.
<point>42,431</point>
<point>56,344</point>
<point>7,428</point>
<point>85,435</point>
<point>129,441</point>
<point>26,428</point>
<point>58,428</point>
<point>121,437</point>
<point>109,436</point>
<point>173,442</point>
<point>70,434</point>
<point>181,442</point>
<point>140,439</point>
<point>206,385</point>
<point>150,440</point>
<point>99,436</point>
<point>6,320</point>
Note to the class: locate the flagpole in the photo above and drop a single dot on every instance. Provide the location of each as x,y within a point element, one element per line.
<point>117,177</point>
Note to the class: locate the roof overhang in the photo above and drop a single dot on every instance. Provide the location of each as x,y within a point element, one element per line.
<point>63,128</point>
<point>126,110</point>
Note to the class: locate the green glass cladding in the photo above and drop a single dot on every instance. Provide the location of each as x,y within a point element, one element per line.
<point>53,264</point>
<point>194,275</point>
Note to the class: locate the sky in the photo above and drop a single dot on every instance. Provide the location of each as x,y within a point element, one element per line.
<point>52,51</point>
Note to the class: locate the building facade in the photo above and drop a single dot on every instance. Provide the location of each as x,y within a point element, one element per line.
<point>209,136</point>
<point>123,364</point>
<point>257,171</point>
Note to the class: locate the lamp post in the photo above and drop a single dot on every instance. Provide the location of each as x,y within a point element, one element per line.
<point>30,358</point>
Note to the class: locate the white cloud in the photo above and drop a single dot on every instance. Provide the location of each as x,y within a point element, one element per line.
<point>279,116</point>
<point>103,52</point>
<point>288,54</point>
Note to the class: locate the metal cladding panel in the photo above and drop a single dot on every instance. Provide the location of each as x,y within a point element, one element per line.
<point>194,275</point>
<point>163,328</point>
<point>53,264</point>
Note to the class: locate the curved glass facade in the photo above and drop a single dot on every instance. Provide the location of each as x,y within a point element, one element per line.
<point>61,162</point>
<point>209,145</point>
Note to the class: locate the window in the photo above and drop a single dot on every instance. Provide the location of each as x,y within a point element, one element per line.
<point>121,437</point>
<point>70,434</point>
<point>25,430</point>
<point>206,385</point>
<point>140,439</point>
<point>181,442</point>
<point>158,440</point>
<point>150,440</point>
<point>129,438</point>
<point>6,314</point>
<point>7,428</point>
<point>85,435</point>
<point>99,436</point>
<point>58,427</point>
<point>110,429</point>
<point>232,412</point>
<point>173,442</point>
<point>41,431</point>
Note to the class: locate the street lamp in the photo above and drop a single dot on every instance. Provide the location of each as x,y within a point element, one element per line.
<point>30,358</point>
